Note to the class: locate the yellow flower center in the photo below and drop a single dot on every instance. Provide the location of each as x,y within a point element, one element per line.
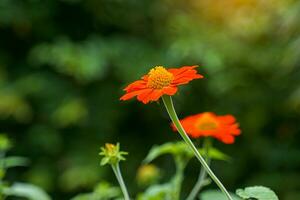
<point>207,122</point>
<point>159,77</point>
<point>111,149</point>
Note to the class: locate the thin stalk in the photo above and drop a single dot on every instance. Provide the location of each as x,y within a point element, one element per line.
<point>172,113</point>
<point>178,178</point>
<point>202,175</point>
<point>117,171</point>
<point>2,166</point>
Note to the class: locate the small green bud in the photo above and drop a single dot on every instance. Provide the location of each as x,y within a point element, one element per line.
<point>111,154</point>
<point>148,174</point>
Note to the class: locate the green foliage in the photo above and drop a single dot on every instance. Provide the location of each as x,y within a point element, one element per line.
<point>182,150</point>
<point>148,174</point>
<point>5,143</point>
<point>103,191</point>
<point>157,192</point>
<point>181,154</point>
<point>14,161</point>
<point>25,190</point>
<point>173,148</point>
<point>85,62</point>
<point>215,154</point>
<point>69,113</point>
<point>216,195</point>
<point>63,65</point>
<point>14,105</point>
<point>86,176</point>
<point>257,192</point>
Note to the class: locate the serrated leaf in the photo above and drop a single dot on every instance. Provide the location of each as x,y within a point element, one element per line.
<point>26,190</point>
<point>216,195</point>
<point>257,192</point>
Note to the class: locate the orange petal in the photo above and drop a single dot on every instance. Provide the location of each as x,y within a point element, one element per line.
<point>136,85</point>
<point>169,90</point>
<point>185,78</point>
<point>144,97</point>
<point>227,139</point>
<point>155,95</point>
<point>177,71</point>
<point>227,119</point>
<point>235,130</point>
<point>224,137</point>
<point>187,73</point>
<point>131,94</point>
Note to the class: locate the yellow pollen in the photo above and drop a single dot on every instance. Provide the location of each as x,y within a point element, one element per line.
<point>159,77</point>
<point>207,122</point>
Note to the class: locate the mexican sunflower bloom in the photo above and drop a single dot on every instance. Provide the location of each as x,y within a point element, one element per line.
<point>223,128</point>
<point>160,81</point>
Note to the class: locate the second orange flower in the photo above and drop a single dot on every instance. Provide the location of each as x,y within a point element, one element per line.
<point>208,124</point>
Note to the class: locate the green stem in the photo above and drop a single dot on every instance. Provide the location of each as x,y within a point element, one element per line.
<point>202,175</point>
<point>2,166</point>
<point>172,113</point>
<point>178,178</point>
<point>117,171</point>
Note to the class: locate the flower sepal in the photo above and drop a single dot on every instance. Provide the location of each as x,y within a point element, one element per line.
<point>111,154</point>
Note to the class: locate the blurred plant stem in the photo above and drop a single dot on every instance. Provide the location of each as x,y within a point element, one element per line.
<point>202,175</point>
<point>178,178</point>
<point>172,113</point>
<point>117,171</point>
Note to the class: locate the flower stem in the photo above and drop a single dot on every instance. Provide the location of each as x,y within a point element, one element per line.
<point>178,178</point>
<point>172,113</point>
<point>202,175</point>
<point>117,171</point>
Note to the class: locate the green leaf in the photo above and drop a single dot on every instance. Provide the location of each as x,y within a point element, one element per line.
<point>14,161</point>
<point>103,191</point>
<point>89,196</point>
<point>104,161</point>
<point>216,195</point>
<point>107,191</point>
<point>173,148</point>
<point>180,148</point>
<point>157,192</point>
<point>257,192</point>
<point>26,190</point>
<point>215,154</point>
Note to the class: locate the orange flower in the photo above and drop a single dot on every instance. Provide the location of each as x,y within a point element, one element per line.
<point>160,81</point>
<point>224,128</point>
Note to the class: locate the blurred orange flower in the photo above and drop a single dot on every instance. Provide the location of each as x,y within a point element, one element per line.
<point>160,81</point>
<point>223,128</point>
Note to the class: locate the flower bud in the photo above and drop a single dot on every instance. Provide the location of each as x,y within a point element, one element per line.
<point>111,154</point>
<point>147,174</point>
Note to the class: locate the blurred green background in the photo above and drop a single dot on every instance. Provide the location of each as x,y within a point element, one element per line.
<point>64,63</point>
